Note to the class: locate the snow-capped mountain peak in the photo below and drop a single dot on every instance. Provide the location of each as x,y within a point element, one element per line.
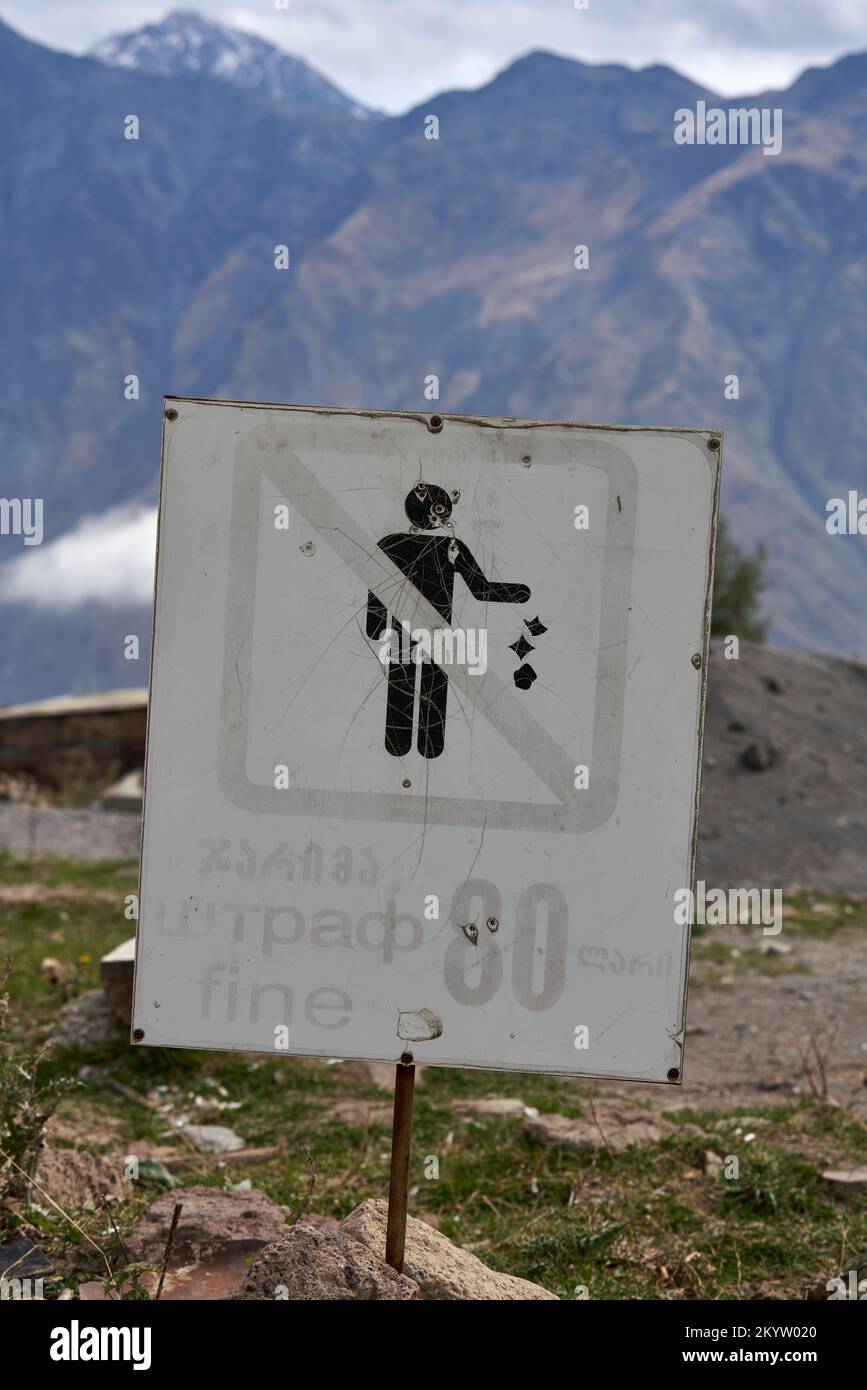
<point>187,43</point>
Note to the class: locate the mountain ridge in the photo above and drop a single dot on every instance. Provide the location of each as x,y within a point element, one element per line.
<point>184,43</point>
<point>411,257</point>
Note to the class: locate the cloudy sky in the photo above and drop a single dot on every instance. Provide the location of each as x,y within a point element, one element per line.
<point>393,53</point>
<point>70,571</point>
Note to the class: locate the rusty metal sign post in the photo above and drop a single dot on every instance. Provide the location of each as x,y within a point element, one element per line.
<point>424,742</point>
<point>401,1142</point>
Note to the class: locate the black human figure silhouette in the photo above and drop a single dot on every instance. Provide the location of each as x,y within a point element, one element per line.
<point>429,556</point>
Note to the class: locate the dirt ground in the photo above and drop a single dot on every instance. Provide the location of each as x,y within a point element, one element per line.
<point>755,1037</point>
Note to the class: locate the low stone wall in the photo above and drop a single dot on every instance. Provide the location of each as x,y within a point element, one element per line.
<point>75,833</point>
<point>75,742</point>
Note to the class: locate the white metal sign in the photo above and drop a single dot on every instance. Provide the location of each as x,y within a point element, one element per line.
<point>424,738</point>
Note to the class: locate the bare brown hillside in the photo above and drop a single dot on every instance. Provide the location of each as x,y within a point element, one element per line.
<point>784,787</point>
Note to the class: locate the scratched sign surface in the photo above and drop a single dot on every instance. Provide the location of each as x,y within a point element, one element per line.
<point>424,738</point>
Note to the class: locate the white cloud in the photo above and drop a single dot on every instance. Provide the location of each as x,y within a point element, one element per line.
<point>393,54</point>
<point>107,559</point>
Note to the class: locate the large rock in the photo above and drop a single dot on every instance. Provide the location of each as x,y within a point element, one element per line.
<point>87,1022</point>
<point>759,756</point>
<point>441,1270</point>
<point>211,1220</point>
<point>74,1180</point>
<point>847,1182</point>
<point>329,1266</point>
<point>613,1127</point>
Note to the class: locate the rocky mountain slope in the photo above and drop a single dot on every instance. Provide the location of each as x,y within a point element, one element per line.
<point>784,783</point>
<point>411,257</point>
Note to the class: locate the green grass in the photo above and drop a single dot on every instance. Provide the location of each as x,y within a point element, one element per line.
<point>649,1223</point>
<point>716,965</point>
<point>822,915</point>
<point>72,929</point>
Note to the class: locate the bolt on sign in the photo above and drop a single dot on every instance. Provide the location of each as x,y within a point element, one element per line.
<point>424,738</point>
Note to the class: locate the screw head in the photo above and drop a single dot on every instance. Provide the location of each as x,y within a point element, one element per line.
<point>138,1035</point>
<point>493,923</point>
<point>435,424</point>
<point>714,443</point>
<point>696,660</point>
<point>674,1074</point>
<point>171,413</point>
<point>407,782</point>
<point>526,460</point>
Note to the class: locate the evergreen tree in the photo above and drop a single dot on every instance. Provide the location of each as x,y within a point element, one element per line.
<point>738,582</point>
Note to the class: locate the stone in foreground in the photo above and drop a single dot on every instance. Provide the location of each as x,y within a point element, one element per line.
<point>847,1182</point>
<point>76,1180</point>
<point>440,1269</point>
<point>211,1220</point>
<point>325,1266</point>
<point>88,1022</point>
<point>614,1127</point>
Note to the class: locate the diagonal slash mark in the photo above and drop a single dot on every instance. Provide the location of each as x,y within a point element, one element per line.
<point>257,457</point>
<point>376,571</point>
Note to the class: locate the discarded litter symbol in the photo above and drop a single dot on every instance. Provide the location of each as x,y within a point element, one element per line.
<point>521,647</point>
<point>524,677</point>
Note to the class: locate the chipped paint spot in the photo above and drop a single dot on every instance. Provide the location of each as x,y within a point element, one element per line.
<point>418,1025</point>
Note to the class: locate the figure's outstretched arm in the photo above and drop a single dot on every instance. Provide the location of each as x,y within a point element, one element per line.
<point>377,616</point>
<point>486,589</point>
